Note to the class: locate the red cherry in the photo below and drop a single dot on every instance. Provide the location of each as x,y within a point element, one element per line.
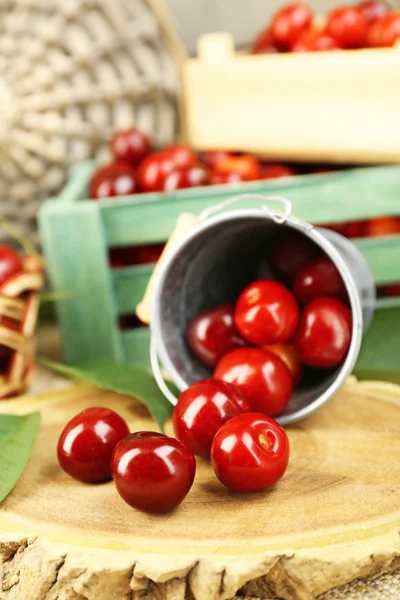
<point>261,376</point>
<point>354,229</point>
<point>211,157</point>
<point>263,43</point>
<point>385,32</point>
<point>130,146</point>
<point>202,409</point>
<point>266,313</point>
<point>135,255</point>
<point>247,166</point>
<point>182,155</point>
<point>275,171</point>
<point>373,10</point>
<point>186,178</point>
<point>113,179</point>
<point>222,178</point>
<point>347,26</point>
<point>212,333</point>
<point>10,263</point>
<point>393,289</point>
<point>290,253</point>
<point>288,355</point>
<point>153,171</point>
<point>288,23</point>
<point>152,472</point>
<point>324,333</point>
<point>382,226</point>
<point>250,453</point>
<point>319,278</point>
<point>315,41</point>
<point>87,442</point>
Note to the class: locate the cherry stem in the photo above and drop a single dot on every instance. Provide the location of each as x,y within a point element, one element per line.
<point>264,441</point>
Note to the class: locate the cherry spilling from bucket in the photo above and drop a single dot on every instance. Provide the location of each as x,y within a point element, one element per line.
<point>261,343</point>
<point>256,350</point>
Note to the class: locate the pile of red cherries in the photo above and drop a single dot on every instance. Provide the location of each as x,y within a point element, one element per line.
<point>257,350</point>
<point>137,168</point>
<point>369,24</point>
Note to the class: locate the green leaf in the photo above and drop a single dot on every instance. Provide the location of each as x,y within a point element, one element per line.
<point>379,357</point>
<point>123,379</point>
<point>17,436</point>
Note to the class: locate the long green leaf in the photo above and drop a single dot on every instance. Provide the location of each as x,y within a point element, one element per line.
<point>379,357</point>
<point>17,436</point>
<point>123,379</point>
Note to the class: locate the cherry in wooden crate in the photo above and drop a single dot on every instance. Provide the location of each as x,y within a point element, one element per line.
<point>333,517</point>
<point>334,106</point>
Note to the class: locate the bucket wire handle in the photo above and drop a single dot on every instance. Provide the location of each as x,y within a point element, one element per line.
<point>155,367</point>
<point>278,217</point>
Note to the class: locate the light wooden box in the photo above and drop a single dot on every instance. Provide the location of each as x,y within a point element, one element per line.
<point>341,106</point>
<point>77,233</point>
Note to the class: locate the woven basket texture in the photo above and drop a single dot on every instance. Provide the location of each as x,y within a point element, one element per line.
<point>71,73</point>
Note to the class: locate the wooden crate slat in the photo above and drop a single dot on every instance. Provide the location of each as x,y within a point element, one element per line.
<point>77,264</point>
<point>343,195</point>
<point>129,286</point>
<point>337,106</point>
<point>136,347</point>
<point>383,256</point>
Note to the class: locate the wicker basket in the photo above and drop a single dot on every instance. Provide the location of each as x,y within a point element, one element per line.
<point>72,72</point>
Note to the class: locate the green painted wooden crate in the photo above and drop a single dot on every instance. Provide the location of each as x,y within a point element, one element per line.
<point>77,234</point>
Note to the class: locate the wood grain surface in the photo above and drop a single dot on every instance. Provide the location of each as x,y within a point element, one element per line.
<point>335,516</point>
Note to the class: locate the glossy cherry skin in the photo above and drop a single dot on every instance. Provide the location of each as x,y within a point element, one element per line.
<point>154,170</point>
<point>288,355</point>
<point>266,312</point>
<point>153,472</point>
<point>347,26</point>
<point>223,178</point>
<point>385,32</point>
<point>212,333</point>
<point>87,442</point>
<point>10,263</point>
<point>382,226</point>
<point>250,453</point>
<point>211,157</point>
<point>202,409</point>
<point>261,376</point>
<point>324,333</point>
<point>263,44</point>
<point>247,166</point>
<point>182,155</point>
<point>315,41</point>
<point>289,253</point>
<point>289,23</point>
<point>130,146</point>
<point>186,178</point>
<point>373,10</point>
<point>113,179</point>
<point>319,278</point>
<point>275,171</point>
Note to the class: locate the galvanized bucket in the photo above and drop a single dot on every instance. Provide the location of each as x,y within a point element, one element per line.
<point>216,260</point>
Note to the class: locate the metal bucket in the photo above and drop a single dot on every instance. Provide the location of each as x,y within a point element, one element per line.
<point>216,260</point>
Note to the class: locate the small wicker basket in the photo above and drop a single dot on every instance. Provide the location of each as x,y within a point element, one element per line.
<point>72,72</point>
<point>19,302</point>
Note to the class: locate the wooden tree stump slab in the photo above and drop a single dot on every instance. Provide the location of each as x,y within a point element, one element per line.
<point>335,516</point>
